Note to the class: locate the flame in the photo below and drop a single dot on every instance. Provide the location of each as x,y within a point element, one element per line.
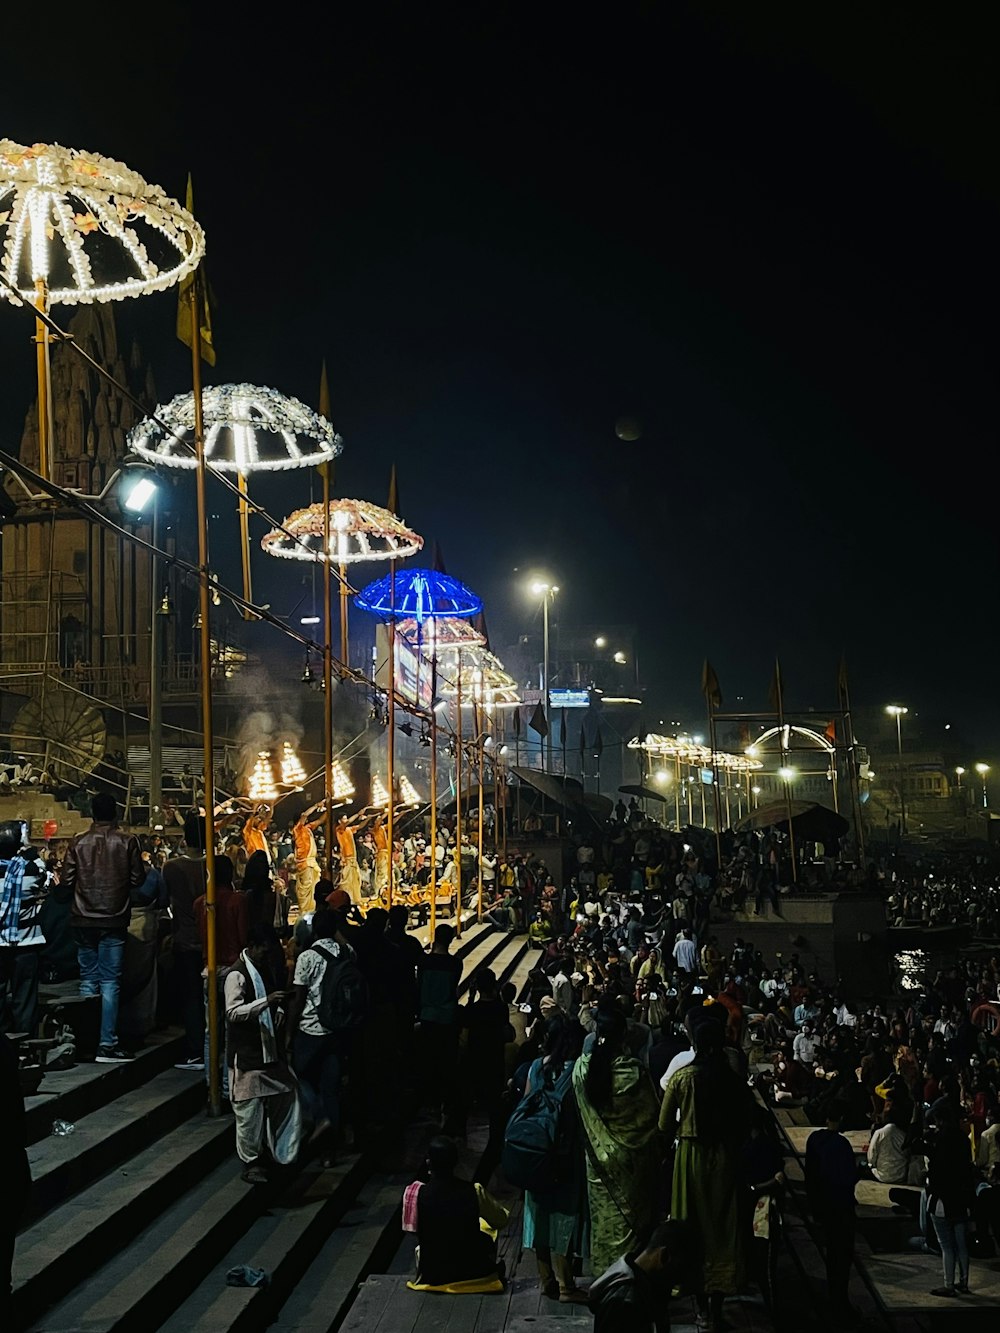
<point>292,772</point>
<point>407,792</point>
<point>380,796</point>
<point>343,787</point>
<point>262,786</point>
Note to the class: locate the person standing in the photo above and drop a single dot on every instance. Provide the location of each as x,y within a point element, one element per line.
<point>185,880</point>
<point>708,1106</point>
<point>950,1193</point>
<point>831,1175</point>
<point>264,1097</point>
<point>306,858</point>
<point>232,925</point>
<point>440,973</point>
<point>686,953</point>
<point>23,887</point>
<point>618,1118</point>
<point>102,867</point>
<point>350,874</point>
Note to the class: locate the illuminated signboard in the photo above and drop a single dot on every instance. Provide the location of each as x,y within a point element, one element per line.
<point>569,698</point>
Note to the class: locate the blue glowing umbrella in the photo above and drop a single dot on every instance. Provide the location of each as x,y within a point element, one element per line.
<point>418,594</point>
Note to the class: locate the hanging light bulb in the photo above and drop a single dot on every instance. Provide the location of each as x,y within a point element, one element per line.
<point>166,607</point>
<point>292,772</point>
<point>262,786</point>
<point>307,672</point>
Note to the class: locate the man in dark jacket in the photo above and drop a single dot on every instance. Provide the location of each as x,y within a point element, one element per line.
<point>102,867</point>
<point>633,1295</point>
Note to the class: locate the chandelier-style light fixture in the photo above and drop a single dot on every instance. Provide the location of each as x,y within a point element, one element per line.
<point>248,428</point>
<point>88,228</point>
<point>359,531</point>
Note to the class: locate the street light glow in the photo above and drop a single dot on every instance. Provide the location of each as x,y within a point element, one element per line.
<point>600,641</point>
<point>661,775</point>
<point>981,769</point>
<point>786,774</point>
<point>620,658</point>
<point>140,494</point>
<point>895,710</point>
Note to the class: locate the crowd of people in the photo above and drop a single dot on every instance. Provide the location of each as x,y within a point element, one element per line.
<point>658,1057</point>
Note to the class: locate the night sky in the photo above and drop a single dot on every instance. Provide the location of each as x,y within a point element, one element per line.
<point>768,233</point>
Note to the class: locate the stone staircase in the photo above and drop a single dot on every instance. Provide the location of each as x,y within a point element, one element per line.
<point>137,1215</point>
<point>41,811</point>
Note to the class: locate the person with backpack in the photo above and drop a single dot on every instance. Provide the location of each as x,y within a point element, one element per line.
<point>543,1152</point>
<point>327,1008</point>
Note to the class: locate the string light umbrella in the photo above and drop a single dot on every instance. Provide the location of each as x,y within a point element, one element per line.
<point>77,228</point>
<point>424,597</point>
<point>248,428</point>
<point>345,532</point>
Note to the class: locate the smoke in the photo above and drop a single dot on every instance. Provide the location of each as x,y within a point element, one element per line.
<point>290,711</point>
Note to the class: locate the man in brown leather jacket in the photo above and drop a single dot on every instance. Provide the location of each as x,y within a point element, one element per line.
<point>102,867</point>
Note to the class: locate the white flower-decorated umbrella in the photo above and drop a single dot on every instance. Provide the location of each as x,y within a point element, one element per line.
<point>248,428</point>
<point>343,532</point>
<point>77,228</point>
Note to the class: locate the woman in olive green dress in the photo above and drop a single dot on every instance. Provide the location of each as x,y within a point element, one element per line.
<point>617,1108</point>
<point>706,1106</point>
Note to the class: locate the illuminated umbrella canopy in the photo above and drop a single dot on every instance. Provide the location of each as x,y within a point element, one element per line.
<point>359,531</point>
<point>443,634</point>
<point>88,227</point>
<point>419,595</point>
<point>483,680</point>
<point>247,429</point>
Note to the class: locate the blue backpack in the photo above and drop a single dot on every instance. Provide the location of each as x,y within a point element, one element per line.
<point>538,1146</point>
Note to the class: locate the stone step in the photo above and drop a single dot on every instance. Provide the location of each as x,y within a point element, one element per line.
<point>108,1137</point>
<point>67,1244</point>
<point>294,1246</point>
<point>141,1284</point>
<point>71,1094</point>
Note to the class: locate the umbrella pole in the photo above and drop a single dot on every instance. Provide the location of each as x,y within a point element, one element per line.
<point>390,762</point>
<point>434,790</point>
<point>677,792</point>
<point>479,730</point>
<point>458,799</point>
<point>788,793</point>
<point>241,482</point>
<point>328,834</point>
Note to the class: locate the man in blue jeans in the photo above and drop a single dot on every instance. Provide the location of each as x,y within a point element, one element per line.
<point>101,868</point>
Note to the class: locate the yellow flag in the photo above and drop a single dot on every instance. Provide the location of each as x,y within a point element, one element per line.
<point>199,282</point>
<point>393,505</point>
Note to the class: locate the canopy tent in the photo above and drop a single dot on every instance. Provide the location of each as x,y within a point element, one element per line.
<point>809,819</point>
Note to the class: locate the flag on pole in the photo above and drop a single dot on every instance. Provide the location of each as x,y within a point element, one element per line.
<point>516,722</point>
<point>831,732</point>
<point>843,696</point>
<point>562,732</point>
<point>393,502</point>
<point>537,721</point>
<point>437,562</point>
<point>710,686</point>
<point>583,742</point>
<point>598,744</point>
<point>774,694</point>
<point>479,625</point>
<point>199,281</point>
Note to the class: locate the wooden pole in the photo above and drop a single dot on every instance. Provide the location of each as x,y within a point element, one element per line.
<point>327,672</point>
<point>390,764</point>
<point>208,737</point>
<point>245,543</point>
<point>788,792</point>
<point>458,796</point>
<point>482,765</point>
<point>434,785</point>
<point>343,613</point>
<point>42,371</point>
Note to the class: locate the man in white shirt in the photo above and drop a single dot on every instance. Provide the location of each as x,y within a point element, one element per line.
<point>562,989</point>
<point>686,953</point>
<point>804,1046</point>
<point>889,1160</point>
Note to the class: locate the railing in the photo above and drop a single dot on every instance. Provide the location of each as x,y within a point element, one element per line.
<point>112,683</point>
<point>52,766</point>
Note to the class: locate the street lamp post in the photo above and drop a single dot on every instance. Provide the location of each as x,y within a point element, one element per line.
<point>897,711</point>
<point>546,591</point>
<point>142,493</point>
<point>982,770</point>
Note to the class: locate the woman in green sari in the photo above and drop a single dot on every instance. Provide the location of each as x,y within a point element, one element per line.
<point>708,1106</point>
<point>617,1108</point>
